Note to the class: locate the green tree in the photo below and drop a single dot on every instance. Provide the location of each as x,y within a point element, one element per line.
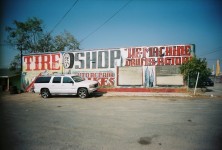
<point>29,37</point>
<point>45,44</point>
<point>15,63</point>
<point>25,35</point>
<point>191,68</point>
<point>65,41</point>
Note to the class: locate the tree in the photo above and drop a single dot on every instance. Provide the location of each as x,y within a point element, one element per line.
<point>45,44</point>
<point>65,42</point>
<point>191,68</point>
<point>29,37</point>
<point>25,35</point>
<point>15,64</point>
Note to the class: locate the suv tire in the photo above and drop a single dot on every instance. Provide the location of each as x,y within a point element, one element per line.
<point>83,93</point>
<point>45,93</point>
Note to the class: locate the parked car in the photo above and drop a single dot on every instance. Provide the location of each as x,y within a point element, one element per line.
<point>64,85</point>
<point>208,82</point>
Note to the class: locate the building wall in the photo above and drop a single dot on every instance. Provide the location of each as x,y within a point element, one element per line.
<point>111,67</point>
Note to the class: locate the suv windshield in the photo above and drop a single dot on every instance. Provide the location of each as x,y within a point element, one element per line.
<point>77,78</point>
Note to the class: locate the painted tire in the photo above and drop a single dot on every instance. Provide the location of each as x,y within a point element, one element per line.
<point>68,60</point>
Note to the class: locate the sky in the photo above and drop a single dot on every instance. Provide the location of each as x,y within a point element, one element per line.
<point>103,24</point>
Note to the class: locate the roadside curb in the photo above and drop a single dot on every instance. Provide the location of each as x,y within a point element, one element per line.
<point>109,94</point>
<point>158,92</point>
<point>152,92</point>
<point>144,90</point>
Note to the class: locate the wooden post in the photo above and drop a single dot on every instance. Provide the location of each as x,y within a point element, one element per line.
<point>7,84</point>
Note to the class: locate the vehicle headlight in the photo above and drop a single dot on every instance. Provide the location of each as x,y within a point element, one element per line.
<point>91,86</point>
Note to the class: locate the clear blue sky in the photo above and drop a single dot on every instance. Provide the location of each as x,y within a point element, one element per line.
<point>140,23</point>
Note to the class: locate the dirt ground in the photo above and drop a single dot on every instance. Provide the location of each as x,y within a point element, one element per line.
<point>29,122</point>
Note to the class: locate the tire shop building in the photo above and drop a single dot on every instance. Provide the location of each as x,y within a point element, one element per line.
<point>145,66</point>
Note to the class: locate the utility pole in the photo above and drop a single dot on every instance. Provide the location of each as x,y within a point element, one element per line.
<point>21,54</point>
<point>218,68</point>
<point>21,58</point>
<point>21,74</point>
<point>213,72</point>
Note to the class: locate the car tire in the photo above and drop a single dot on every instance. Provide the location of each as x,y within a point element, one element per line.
<point>83,93</point>
<point>45,93</point>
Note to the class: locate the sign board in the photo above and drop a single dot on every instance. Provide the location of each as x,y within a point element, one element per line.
<point>169,80</point>
<point>130,76</point>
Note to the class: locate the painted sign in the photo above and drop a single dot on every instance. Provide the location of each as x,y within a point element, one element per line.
<point>99,59</point>
<point>42,62</point>
<point>158,55</point>
<point>105,78</point>
<point>137,56</point>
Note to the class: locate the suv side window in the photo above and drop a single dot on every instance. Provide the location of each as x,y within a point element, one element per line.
<point>67,80</point>
<point>42,80</point>
<point>56,80</point>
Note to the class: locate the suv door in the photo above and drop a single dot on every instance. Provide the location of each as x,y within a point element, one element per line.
<point>68,85</point>
<point>55,86</point>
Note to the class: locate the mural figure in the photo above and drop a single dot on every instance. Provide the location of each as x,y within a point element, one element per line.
<point>147,77</point>
<point>151,78</point>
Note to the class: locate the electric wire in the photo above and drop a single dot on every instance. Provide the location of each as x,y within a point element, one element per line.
<point>63,16</point>
<point>217,49</point>
<point>91,33</point>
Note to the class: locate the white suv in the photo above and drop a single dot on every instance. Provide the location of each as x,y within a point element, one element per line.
<point>64,85</point>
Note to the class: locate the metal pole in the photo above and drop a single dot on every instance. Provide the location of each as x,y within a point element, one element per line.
<point>196,83</point>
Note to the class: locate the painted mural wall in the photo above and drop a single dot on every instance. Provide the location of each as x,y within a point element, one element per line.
<point>101,64</point>
<point>40,64</point>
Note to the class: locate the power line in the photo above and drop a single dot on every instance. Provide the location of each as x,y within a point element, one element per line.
<point>64,16</point>
<point>212,59</point>
<point>6,44</point>
<point>91,33</point>
<point>217,49</point>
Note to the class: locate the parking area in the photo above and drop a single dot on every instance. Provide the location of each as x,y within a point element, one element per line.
<point>110,122</point>
<point>215,90</point>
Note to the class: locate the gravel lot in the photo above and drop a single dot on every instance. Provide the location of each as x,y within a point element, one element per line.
<point>110,123</point>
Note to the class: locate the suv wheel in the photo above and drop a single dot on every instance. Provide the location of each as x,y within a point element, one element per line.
<point>82,93</point>
<point>45,93</point>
